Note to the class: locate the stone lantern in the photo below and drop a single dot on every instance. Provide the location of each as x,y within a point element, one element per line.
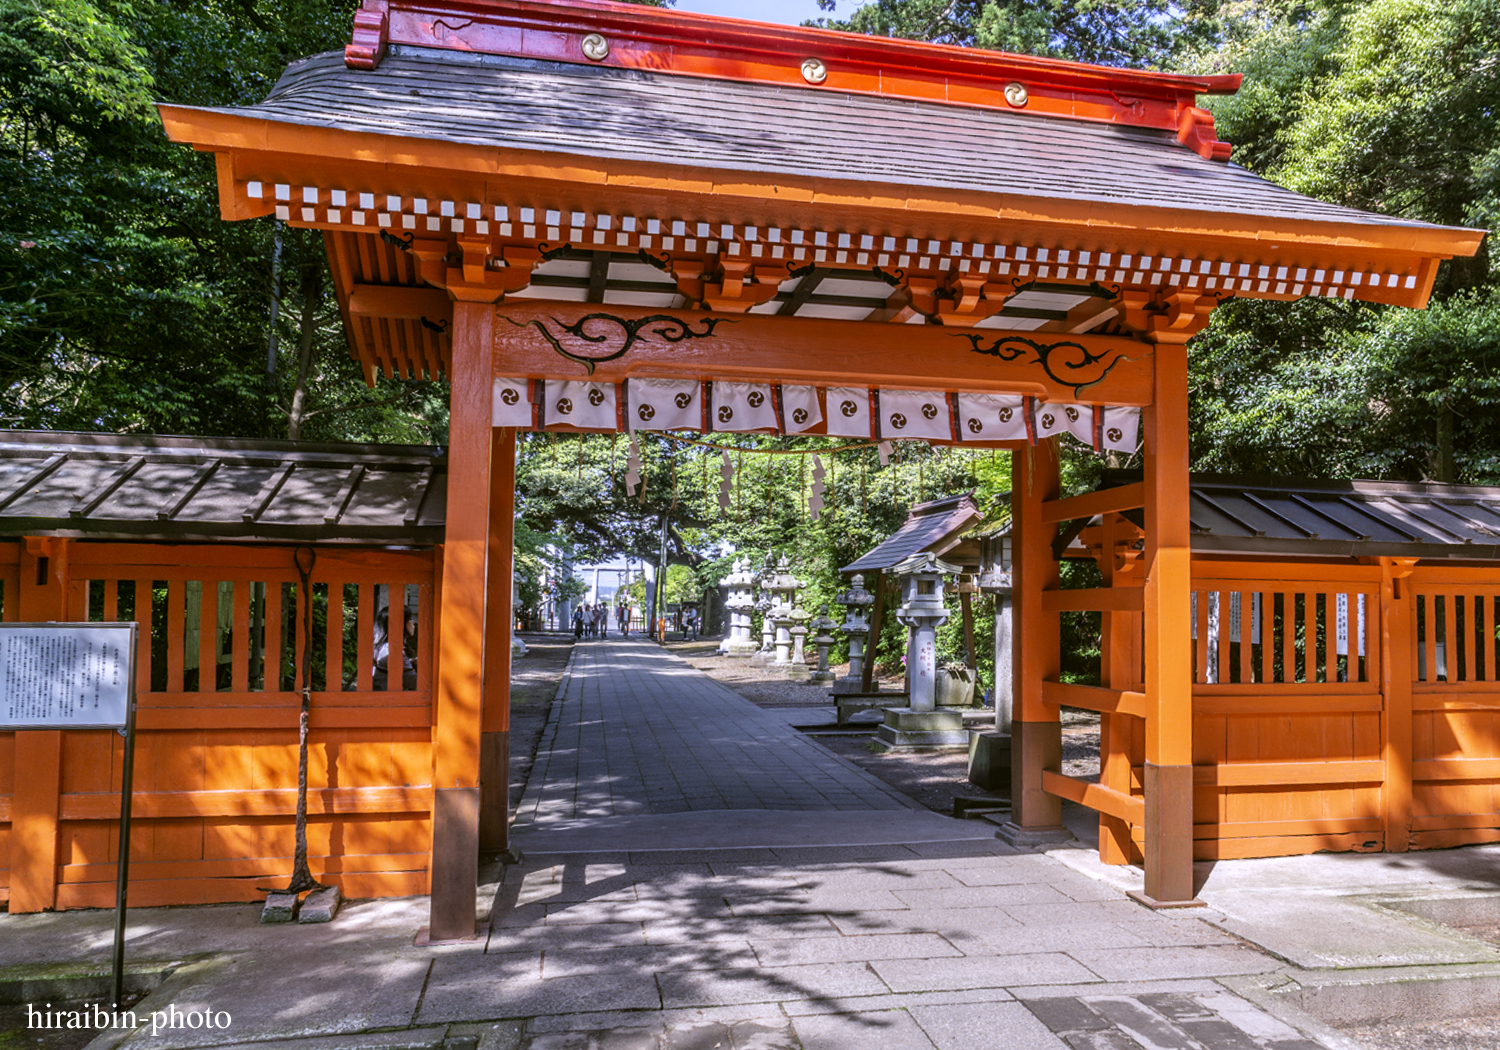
<point>764,603</point>
<point>922,724</point>
<point>741,584</point>
<point>787,620</point>
<point>856,602</point>
<point>823,625</point>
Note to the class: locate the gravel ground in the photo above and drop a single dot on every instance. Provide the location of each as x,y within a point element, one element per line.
<point>758,683</point>
<point>533,684</point>
<point>933,778</point>
<point>1468,1033</point>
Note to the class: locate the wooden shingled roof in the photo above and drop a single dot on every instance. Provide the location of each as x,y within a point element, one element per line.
<point>936,526</point>
<point>637,115</point>
<point>142,487</point>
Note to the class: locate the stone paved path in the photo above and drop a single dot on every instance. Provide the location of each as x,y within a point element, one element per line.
<point>638,731</point>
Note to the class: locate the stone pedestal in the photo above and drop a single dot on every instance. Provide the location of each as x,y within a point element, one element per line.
<point>822,625</point>
<point>912,729</point>
<point>989,760</point>
<point>798,671</point>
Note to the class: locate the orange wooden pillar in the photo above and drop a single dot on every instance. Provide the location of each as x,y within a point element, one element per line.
<point>1036,732</point>
<point>1120,662</point>
<point>458,706</point>
<point>1167,636</point>
<point>494,742</point>
<point>43,598</point>
<point>1397,643</point>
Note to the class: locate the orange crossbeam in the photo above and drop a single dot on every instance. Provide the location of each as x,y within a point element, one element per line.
<point>1105,501</point>
<point>1095,698</point>
<point>1095,796</point>
<point>1094,599</point>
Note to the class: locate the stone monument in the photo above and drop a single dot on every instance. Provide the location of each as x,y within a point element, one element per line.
<point>741,601</point>
<point>856,602</point>
<point>823,625</point>
<point>922,724</point>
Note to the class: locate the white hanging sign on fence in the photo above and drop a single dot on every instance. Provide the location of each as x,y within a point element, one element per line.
<point>1342,635</point>
<point>65,675</point>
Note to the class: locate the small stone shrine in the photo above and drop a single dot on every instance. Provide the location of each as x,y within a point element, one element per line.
<point>922,724</point>
<point>856,602</point>
<point>741,603</point>
<point>823,624</point>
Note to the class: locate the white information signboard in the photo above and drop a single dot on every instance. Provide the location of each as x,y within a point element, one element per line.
<point>65,675</point>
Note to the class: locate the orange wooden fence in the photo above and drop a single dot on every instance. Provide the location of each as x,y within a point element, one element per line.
<point>1455,733</point>
<point>1336,706</point>
<point>1287,709</point>
<point>216,760</point>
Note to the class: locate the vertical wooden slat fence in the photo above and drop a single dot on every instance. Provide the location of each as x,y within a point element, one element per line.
<point>1455,738</point>
<point>1287,710</point>
<point>216,762</point>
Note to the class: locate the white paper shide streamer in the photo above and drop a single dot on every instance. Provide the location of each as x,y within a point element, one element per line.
<point>510,406</point>
<point>726,477</point>
<point>915,414</point>
<point>633,467</point>
<point>665,404</point>
<point>799,407</point>
<point>815,501</point>
<point>743,406</point>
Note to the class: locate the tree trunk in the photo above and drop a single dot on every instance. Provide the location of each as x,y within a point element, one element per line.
<point>1444,470</point>
<point>312,296</point>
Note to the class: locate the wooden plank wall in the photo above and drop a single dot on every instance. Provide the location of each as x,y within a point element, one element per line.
<point>1455,737</point>
<point>216,760</point>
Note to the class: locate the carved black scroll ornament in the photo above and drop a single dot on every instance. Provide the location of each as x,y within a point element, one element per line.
<point>1067,363</point>
<point>596,338</point>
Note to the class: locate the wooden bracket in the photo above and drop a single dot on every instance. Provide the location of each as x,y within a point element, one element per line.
<point>968,299</point>
<point>479,276</point>
<point>743,284</point>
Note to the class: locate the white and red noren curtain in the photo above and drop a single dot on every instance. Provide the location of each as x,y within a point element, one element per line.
<point>849,412</point>
<point>799,408</point>
<point>665,404</point>
<point>511,407</point>
<point>744,406</point>
<point>915,414</point>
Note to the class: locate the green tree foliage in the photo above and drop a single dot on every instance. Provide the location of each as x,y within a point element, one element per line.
<point>126,302</point>
<point>1143,33</point>
<point>1387,105</point>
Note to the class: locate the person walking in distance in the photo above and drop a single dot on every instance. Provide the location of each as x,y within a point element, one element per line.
<point>622,619</point>
<point>690,623</point>
<point>578,621</point>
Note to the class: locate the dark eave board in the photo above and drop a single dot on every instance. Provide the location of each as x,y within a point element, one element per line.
<point>722,125</point>
<point>1356,519</point>
<point>162,488</point>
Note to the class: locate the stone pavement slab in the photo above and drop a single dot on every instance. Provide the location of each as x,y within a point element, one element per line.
<point>638,731</point>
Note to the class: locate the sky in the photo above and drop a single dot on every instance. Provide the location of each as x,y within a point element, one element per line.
<point>790,12</point>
